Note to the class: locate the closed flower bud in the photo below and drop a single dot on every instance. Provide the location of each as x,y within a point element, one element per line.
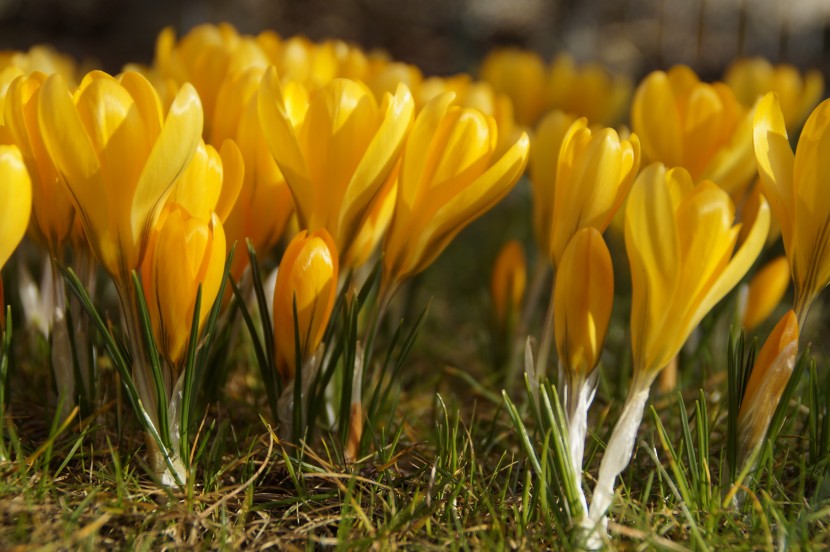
<point>337,151</point>
<point>307,276</point>
<point>450,175</point>
<point>773,366</point>
<point>701,127</point>
<point>766,289</point>
<point>507,285</point>
<point>583,296</point>
<point>185,252</point>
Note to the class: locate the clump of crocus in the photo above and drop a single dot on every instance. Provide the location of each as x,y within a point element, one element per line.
<point>764,292</point>
<point>306,285</point>
<point>450,175</point>
<point>339,151</point>
<point>119,155</point>
<point>767,381</point>
<point>583,296</point>
<point>680,238</point>
<point>796,188</point>
<point>683,122</point>
<point>751,78</point>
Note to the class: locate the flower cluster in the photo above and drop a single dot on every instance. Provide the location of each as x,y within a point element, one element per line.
<point>160,176</point>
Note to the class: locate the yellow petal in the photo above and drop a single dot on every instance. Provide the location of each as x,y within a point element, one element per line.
<point>653,246</point>
<point>775,163</point>
<point>15,201</point>
<point>233,174</point>
<point>279,133</point>
<point>172,151</point>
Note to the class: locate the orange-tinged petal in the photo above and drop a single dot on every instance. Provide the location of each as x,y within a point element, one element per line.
<point>769,376</point>
<point>766,289</point>
<point>307,277</point>
<point>507,284</point>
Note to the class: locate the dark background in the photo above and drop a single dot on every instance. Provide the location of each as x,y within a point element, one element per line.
<point>446,36</point>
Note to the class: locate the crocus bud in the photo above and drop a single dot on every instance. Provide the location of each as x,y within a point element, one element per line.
<point>589,91</point>
<point>582,297</point>
<point>308,276</point>
<point>185,252</point>
<point>767,381</point>
<point>766,289</point>
<point>507,285</point>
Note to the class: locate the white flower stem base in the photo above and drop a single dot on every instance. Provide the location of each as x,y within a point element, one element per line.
<point>614,461</point>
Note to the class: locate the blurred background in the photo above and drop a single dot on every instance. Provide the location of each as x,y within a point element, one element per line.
<point>447,36</point>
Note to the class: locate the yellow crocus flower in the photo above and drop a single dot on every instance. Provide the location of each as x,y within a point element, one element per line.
<point>52,211</point>
<point>15,208</point>
<point>765,291</point>
<point>594,171</point>
<point>264,204</point>
<point>583,296</point>
<point>521,75</point>
<point>119,155</point>
<point>449,176</point>
<point>588,91</point>
<point>797,191</point>
<point>680,240</point>
<point>769,376</point>
<point>507,284</point>
<point>307,276</point>
<point>701,127</point>
<point>337,151</point>
<point>186,252</point>
<point>15,201</point>
<point>751,78</point>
